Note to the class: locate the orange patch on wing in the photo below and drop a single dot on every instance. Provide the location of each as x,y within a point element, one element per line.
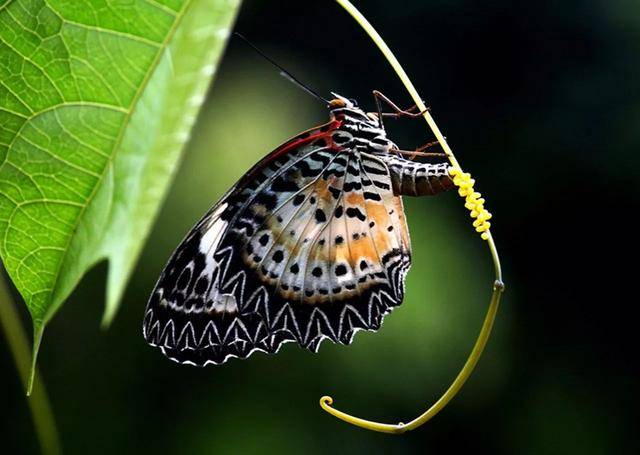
<point>354,198</point>
<point>362,248</point>
<point>378,214</point>
<point>322,190</point>
<point>403,222</point>
<point>343,253</point>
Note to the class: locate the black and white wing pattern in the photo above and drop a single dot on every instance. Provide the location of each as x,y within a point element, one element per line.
<point>310,244</point>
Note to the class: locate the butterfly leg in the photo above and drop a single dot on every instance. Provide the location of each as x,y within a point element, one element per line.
<point>406,113</point>
<point>397,112</point>
<point>415,153</point>
<point>427,146</point>
<point>379,109</point>
<point>420,151</point>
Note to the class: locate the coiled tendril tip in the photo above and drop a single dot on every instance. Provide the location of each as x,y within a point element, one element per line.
<point>326,402</point>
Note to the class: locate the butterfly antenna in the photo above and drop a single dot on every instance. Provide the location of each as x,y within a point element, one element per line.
<point>283,72</point>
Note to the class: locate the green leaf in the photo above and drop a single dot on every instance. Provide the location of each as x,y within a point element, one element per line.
<point>97,100</point>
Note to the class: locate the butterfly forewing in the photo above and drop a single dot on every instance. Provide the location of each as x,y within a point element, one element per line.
<point>310,244</point>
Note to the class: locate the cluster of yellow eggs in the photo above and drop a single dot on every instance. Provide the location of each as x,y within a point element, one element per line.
<point>473,201</point>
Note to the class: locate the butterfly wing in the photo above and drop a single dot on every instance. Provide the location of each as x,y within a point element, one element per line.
<point>310,244</point>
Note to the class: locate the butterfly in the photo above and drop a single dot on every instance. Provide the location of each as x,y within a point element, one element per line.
<point>310,244</point>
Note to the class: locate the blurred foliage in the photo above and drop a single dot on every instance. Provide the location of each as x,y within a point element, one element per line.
<point>540,103</point>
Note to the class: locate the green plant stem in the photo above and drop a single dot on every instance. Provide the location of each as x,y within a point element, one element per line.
<point>38,402</point>
<point>498,286</point>
<point>454,388</point>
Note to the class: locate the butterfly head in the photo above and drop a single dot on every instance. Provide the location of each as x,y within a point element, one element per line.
<point>339,102</point>
<point>347,108</point>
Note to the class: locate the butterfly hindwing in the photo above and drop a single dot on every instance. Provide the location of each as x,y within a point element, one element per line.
<point>310,244</point>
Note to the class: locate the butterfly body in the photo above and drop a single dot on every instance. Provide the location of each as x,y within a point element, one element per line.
<point>310,244</point>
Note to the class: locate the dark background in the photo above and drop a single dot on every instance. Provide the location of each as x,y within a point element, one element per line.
<point>541,102</point>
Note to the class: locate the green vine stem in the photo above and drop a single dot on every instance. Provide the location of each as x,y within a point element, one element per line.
<point>498,286</point>
<point>38,402</point>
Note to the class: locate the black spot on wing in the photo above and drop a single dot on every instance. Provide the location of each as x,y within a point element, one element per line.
<point>372,196</point>
<point>278,256</point>
<point>305,169</point>
<point>320,216</point>
<point>283,184</point>
<point>354,212</point>
<point>352,170</point>
<point>267,199</point>
<point>335,192</point>
<point>352,186</point>
<point>299,199</point>
<point>322,158</point>
<point>341,138</point>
